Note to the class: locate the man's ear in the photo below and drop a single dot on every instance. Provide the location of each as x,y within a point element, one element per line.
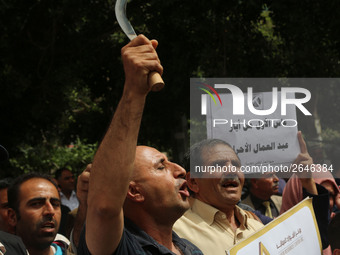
<point>134,192</point>
<point>192,184</point>
<point>336,252</point>
<point>12,217</point>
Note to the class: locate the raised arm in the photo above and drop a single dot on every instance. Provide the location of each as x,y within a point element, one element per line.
<point>82,193</point>
<point>293,192</point>
<point>113,162</point>
<point>305,159</point>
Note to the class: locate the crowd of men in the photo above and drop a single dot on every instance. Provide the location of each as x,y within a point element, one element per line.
<point>134,200</point>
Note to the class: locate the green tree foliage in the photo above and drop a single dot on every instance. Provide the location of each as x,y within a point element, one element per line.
<point>47,157</point>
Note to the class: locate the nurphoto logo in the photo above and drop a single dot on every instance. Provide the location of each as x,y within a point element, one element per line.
<point>253,102</point>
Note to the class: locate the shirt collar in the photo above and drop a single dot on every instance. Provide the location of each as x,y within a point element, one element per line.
<point>258,203</point>
<point>146,240</point>
<point>143,238</point>
<point>72,194</point>
<point>208,213</point>
<point>205,211</point>
<point>242,217</point>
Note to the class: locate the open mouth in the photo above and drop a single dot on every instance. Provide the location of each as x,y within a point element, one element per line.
<point>230,181</point>
<point>48,225</point>
<point>183,189</point>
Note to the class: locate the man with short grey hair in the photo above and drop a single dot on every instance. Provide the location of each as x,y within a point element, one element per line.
<point>214,222</point>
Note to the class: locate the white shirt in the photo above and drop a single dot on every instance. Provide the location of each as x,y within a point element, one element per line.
<point>71,203</point>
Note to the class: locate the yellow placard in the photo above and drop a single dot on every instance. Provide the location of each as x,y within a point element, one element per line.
<point>294,231</point>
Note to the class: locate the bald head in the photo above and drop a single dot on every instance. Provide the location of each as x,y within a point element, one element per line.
<point>157,185</point>
<point>146,159</point>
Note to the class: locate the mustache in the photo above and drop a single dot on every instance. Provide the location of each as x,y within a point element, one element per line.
<point>181,184</point>
<point>48,221</point>
<point>231,178</point>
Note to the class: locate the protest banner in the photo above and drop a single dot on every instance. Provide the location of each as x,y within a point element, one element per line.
<point>264,142</point>
<point>294,232</point>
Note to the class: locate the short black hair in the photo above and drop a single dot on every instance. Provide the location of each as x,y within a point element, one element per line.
<point>14,189</point>
<point>59,172</point>
<point>5,183</point>
<point>194,155</point>
<point>334,233</point>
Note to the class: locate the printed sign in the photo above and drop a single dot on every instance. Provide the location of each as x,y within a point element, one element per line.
<point>294,232</point>
<point>262,142</point>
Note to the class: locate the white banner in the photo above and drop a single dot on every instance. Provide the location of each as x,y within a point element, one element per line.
<point>257,140</point>
<point>294,232</point>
